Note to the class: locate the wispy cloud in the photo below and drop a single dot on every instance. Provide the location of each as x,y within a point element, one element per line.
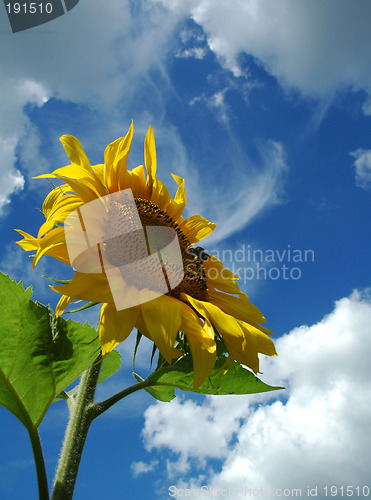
<point>139,468</point>
<point>362,166</point>
<point>193,43</point>
<point>248,189</point>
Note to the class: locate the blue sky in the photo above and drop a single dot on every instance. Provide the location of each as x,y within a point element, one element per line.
<point>264,108</point>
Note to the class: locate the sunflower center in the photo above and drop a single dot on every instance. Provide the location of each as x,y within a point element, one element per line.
<point>131,246</point>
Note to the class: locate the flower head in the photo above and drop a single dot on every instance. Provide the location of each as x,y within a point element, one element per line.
<point>203,301</point>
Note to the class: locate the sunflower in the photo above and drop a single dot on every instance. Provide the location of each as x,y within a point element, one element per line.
<point>206,304</point>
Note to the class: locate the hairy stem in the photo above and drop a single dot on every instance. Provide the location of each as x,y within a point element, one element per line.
<point>76,432</point>
<point>100,408</point>
<point>42,480</point>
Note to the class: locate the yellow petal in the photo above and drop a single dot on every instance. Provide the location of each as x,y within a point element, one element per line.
<point>110,175</point>
<point>78,173</point>
<point>60,253</point>
<point>92,287</point>
<point>201,341</point>
<point>176,207</point>
<point>85,188</point>
<point>240,307</point>
<point>138,182</point>
<point>48,244</point>
<point>224,323</point>
<point>53,197</point>
<point>99,171</point>
<point>123,176</point>
<point>160,195</point>
<point>115,158</point>
<point>75,151</point>
<point>160,321</point>
<point>74,171</point>
<point>63,302</point>
<point>115,326</point>
<point>256,339</point>
<point>196,228</point>
<point>218,277</point>
<point>59,213</point>
<point>255,342</point>
<point>150,159</point>
<point>45,228</point>
<point>29,242</point>
<point>213,262</point>
<point>244,341</point>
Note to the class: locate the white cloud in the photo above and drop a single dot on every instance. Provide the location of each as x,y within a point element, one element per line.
<point>362,166</point>
<point>196,52</point>
<point>32,92</point>
<point>215,102</point>
<point>194,44</point>
<point>319,436</point>
<point>11,180</point>
<point>316,47</point>
<point>139,468</point>
<point>13,124</point>
<point>245,190</point>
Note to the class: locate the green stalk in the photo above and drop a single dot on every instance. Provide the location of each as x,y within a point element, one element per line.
<point>76,432</point>
<point>83,412</point>
<point>42,480</point>
<point>100,408</point>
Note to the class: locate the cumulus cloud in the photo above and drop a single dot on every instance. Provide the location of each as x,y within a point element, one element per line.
<point>13,124</point>
<point>362,166</point>
<point>315,47</point>
<point>316,433</point>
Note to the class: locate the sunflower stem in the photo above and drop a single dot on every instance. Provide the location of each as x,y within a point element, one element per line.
<point>77,429</point>
<point>40,464</point>
<point>100,408</point>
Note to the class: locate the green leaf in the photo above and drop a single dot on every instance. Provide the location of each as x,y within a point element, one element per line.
<point>237,380</point>
<point>39,354</point>
<point>137,342</point>
<point>110,365</point>
<point>161,393</point>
